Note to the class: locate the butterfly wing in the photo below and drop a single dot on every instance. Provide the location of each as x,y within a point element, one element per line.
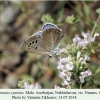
<point>48,25</point>
<point>34,44</point>
<point>51,38</point>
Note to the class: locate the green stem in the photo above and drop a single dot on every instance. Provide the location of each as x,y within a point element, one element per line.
<point>92,32</point>
<point>80,86</point>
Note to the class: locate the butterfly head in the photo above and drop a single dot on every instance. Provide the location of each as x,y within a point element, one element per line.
<point>53,52</point>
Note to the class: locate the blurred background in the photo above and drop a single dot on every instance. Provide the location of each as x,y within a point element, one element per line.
<point>20,19</point>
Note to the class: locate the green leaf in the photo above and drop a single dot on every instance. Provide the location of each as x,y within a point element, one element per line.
<point>93,51</point>
<point>26,77</point>
<point>22,6</point>
<point>60,13</point>
<point>47,19</point>
<point>72,19</point>
<point>98,10</point>
<point>88,79</point>
<point>86,10</point>
<point>95,45</point>
<point>98,70</point>
<point>77,20</point>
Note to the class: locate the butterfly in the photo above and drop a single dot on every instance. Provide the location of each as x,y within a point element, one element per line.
<point>46,41</point>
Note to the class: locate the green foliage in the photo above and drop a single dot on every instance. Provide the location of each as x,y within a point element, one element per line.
<point>60,13</point>
<point>72,19</point>
<point>87,10</point>
<point>98,10</point>
<point>27,79</point>
<point>98,70</point>
<point>22,6</point>
<point>47,19</point>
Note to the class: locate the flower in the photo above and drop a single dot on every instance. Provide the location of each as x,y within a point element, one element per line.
<point>85,35</point>
<point>78,54</point>
<point>96,34</point>
<point>62,74</point>
<point>89,73</point>
<point>64,67</point>
<point>32,86</point>
<point>60,66</point>
<point>82,43</point>
<point>69,66</point>
<point>28,86</point>
<point>86,58</point>
<point>87,39</point>
<point>76,39</point>
<point>65,82</point>
<point>65,63</point>
<point>84,74</point>
<point>63,60</point>
<point>37,86</point>
<point>81,79</point>
<point>61,50</point>
<point>68,76</point>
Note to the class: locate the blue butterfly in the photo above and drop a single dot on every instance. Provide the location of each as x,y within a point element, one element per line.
<point>46,41</point>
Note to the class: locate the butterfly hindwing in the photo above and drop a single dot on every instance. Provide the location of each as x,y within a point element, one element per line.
<point>51,37</point>
<point>48,25</point>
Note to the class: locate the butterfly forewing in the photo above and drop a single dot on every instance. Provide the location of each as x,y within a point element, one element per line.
<point>51,37</point>
<point>34,44</point>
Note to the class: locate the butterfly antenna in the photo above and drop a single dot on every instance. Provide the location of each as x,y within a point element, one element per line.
<point>47,65</point>
<point>48,60</point>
